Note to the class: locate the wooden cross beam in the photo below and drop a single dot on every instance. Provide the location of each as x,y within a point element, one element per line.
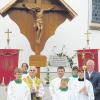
<point>38,8</point>
<point>8,37</point>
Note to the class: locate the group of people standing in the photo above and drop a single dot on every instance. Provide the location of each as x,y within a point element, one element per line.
<point>26,86</point>
<point>80,86</point>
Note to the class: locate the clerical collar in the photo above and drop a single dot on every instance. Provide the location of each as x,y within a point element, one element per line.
<point>75,76</point>
<point>25,72</point>
<point>63,89</point>
<point>18,81</point>
<point>80,79</point>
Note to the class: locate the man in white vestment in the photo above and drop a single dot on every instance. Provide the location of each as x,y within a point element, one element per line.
<point>17,89</point>
<point>63,93</point>
<point>84,88</point>
<point>34,84</point>
<point>55,83</point>
<point>71,82</point>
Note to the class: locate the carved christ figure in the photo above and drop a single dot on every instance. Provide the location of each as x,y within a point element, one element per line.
<point>38,23</point>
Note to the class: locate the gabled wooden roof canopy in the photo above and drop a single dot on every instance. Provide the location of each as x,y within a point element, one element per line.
<point>54,13</point>
<point>60,5</point>
<point>70,11</point>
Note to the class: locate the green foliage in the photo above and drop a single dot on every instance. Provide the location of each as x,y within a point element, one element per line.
<point>47,78</point>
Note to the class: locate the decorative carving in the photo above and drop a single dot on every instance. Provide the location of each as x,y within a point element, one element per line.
<point>38,23</point>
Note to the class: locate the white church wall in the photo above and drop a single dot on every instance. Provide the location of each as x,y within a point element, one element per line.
<point>72,34</point>
<point>17,40</point>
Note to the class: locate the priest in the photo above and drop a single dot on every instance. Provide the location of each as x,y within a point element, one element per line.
<point>34,84</point>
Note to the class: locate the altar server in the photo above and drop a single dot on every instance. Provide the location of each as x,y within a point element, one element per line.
<point>17,89</point>
<point>63,93</point>
<point>73,78</point>
<point>84,88</point>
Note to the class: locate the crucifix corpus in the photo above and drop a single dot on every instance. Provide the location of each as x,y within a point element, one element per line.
<point>39,12</point>
<point>40,20</point>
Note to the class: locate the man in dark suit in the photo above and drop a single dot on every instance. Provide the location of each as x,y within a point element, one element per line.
<point>94,78</point>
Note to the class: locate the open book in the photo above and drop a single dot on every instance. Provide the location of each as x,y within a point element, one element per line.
<point>5,5</point>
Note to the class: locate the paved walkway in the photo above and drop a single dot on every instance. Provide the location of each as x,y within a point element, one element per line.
<point>47,94</point>
<point>3,93</point>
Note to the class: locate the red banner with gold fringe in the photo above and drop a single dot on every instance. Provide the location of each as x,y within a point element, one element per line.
<point>85,54</point>
<point>8,63</point>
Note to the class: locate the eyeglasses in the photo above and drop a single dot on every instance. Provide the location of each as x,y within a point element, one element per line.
<point>32,70</point>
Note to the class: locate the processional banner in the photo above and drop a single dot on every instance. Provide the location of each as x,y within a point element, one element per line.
<point>8,63</point>
<point>85,54</point>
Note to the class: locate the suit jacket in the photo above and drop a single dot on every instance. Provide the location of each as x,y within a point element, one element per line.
<point>95,80</point>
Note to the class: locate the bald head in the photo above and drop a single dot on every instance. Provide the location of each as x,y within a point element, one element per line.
<point>33,68</point>
<point>90,65</point>
<point>33,71</point>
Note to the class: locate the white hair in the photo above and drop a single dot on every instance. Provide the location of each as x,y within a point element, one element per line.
<point>90,61</point>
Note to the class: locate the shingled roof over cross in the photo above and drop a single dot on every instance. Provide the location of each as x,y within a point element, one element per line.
<point>58,4</point>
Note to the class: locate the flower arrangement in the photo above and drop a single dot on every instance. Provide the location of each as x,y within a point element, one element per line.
<point>69,59</point>
<point>47,78</point>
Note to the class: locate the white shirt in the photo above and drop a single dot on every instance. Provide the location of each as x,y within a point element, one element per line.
<point>62,95</point>
<point>17,91</point>
<point>82,96</point>
<point>89,73</point>
<point>72,83</point>
<point>54,85</point>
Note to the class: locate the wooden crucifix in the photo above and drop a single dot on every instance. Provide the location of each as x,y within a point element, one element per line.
<point>38,20</point>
